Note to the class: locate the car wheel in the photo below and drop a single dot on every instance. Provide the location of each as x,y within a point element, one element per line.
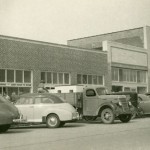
<point>52,121</point>
<point>107,116</point>
<point>90,118</point>
<point>125,118</point>
<point>4,128</point>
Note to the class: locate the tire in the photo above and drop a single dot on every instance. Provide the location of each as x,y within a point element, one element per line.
<point>4,128</point>
<point>90,118</point>
<point>107,116</point>
<point>52,121</point>
<point>125,118</point>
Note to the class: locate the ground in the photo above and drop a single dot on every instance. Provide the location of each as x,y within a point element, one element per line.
<point>80,136</point>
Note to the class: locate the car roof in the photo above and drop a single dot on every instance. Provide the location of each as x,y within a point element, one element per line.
<point>37,95</point>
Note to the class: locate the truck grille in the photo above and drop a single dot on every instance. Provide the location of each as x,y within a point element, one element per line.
<point>125,106</point>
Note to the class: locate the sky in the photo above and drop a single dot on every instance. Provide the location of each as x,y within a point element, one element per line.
<point>57,21</point>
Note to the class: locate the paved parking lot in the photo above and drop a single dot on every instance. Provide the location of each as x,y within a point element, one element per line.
<point>134,135</point>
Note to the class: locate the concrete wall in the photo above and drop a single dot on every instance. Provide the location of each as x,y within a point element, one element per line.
<point>132,37</point>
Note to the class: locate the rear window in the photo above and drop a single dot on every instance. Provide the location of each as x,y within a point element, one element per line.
<point>25,101</point>
<point>56,99</point>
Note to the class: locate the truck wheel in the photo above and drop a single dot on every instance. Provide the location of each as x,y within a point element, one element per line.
<point>4,128</point>
<point>107,116</point>
<point>90,118</point>
<point>52,121</point>
<point>125,118</point>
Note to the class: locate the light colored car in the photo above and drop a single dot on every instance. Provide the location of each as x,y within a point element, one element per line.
<point>8,113</point>
<point>144,103</point>
<point>46,108</point>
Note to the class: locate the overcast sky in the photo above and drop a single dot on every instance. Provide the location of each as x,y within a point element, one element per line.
<point>57,21</point>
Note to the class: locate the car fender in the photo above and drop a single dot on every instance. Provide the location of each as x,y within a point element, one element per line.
<point>63,114</point>
<point>106,105</point>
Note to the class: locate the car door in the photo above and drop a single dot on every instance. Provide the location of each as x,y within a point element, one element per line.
<point>26,107</point>
<point>41,104</point>
<point>144,103</point>
<point>90,103</point>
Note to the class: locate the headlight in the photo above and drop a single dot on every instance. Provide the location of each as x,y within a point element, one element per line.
<point>119,103</point>
<point>130,104</point>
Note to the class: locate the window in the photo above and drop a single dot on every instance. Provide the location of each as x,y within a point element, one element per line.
<point>89,79</point>
<point>115,74</point>
<point>19,76</point>
<point>66,78</point>
<point>141,76</point>
<point>60,78</point>
<point>47,100</point>
<point>2,75</point>
<point>79,80</point>
<point>27,76</point>
<point>49,77</point>
<point>56,78</point>
<point>90,92</point>
<point>37,100</point>
<point>25,101</point>
<point>84,79</point>
<point>10,75</point>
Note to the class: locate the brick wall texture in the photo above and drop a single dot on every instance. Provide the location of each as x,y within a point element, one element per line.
<point>40,56</point>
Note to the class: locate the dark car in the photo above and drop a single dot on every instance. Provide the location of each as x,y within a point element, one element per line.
<point>144,104</point>
<point>8,113</point>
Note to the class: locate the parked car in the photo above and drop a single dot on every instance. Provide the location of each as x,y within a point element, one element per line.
<point>46,108</point>
<point>144,104</point>
<point>8,113</point>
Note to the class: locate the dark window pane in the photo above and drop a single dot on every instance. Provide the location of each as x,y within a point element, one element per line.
<point>27,76</point>
<point>66,78</point>
<point>19,77</point>
<point>89,79</point>
<point>84,79</point>
<point>79,79</point>
<point>43,76</point>
<point>2,75</point>
<point>54,78</point>
<point>100,80</point>
<point>10,75</point>
<point>49,77</point>
<point>60,75</point>
<point>94,79</point>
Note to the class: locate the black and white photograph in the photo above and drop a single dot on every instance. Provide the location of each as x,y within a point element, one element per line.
<point>74,74</point>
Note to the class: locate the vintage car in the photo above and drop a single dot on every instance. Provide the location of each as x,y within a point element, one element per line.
<point>144,104</point>
<point>46,108</point>
<point>8,113</point>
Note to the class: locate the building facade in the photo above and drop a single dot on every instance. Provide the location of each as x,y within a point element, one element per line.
<point>23,63</point>
<point>128,57</point>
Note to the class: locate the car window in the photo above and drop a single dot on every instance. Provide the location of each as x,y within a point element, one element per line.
<point>56,99</point>
<point>90,92</point>
<point>101,91</point>
<point>46,100</point>
<point>37,100</point>
<point>25,101</point>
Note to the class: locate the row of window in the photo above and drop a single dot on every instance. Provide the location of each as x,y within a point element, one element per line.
<point>55,78</point>
<point>89,79</point>
<point>129,75</point>
<point>15,76</point>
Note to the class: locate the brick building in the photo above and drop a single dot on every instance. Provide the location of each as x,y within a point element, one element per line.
<point>23,63</point>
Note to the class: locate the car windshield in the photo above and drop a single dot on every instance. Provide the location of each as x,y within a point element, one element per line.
<point>102,91</point>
